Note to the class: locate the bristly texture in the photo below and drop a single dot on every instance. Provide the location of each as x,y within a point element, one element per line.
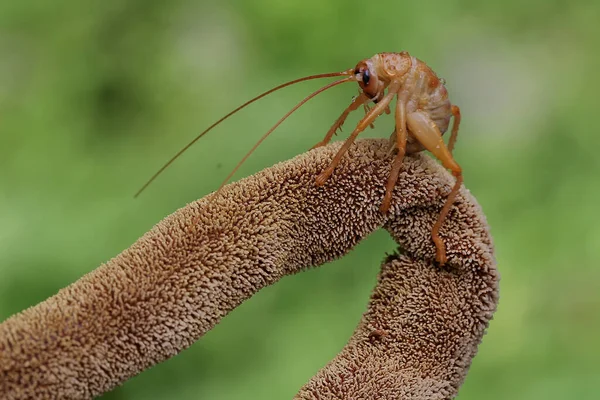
<point>416,340</point>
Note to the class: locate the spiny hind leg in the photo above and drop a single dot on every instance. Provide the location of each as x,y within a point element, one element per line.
<point>428,134</point>
<point>357,102</point>
<point>362,125</point>
<point>455,124</point>
<point>400,142</point>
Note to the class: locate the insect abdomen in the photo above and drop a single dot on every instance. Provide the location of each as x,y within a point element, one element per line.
<point>435,99</point>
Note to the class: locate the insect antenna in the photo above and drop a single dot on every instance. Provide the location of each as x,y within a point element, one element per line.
<point>297,106</point>
<point>187,146</point>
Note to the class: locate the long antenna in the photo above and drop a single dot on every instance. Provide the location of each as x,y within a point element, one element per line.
<point>180,152</point>
<point>297,106</point>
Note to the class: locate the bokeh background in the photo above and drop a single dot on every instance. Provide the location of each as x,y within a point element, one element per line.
<point>95,96</point>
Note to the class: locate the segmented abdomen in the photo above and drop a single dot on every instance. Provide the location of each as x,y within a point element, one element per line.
<point>435,101</point>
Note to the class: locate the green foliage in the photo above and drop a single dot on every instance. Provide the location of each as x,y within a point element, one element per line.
<point>95,96</point>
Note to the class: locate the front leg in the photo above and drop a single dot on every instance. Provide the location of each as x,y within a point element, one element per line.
<point>401,137</point>
<point>362,125</point>
<point>367,108</point>
<point>357,102</point>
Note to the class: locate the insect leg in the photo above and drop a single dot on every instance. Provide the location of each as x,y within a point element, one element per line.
<point>401,137</point>
<point>425,130</point>
<point>455,124</point>
<point>357,102</point>
<point>368,108</point>
<point>362,125</point>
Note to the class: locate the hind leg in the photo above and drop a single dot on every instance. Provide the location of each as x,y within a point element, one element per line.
<point>428,134</point>
<point>455,124</point>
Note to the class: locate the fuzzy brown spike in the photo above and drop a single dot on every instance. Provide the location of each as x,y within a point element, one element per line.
<point>416,340</point>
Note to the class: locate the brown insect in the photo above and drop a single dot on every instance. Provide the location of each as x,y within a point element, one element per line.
<point>422,115</point>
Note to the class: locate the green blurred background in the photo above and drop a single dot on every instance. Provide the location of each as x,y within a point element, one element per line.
<point>95,96</point>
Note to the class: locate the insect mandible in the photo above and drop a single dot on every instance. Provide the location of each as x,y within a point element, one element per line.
<point>422,115</point>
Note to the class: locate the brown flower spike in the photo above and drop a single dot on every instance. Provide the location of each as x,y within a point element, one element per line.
<point>415,341</point>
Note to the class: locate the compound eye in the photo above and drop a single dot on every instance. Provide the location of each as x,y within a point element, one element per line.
<point>367,81</point>
<point>366,77</point>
